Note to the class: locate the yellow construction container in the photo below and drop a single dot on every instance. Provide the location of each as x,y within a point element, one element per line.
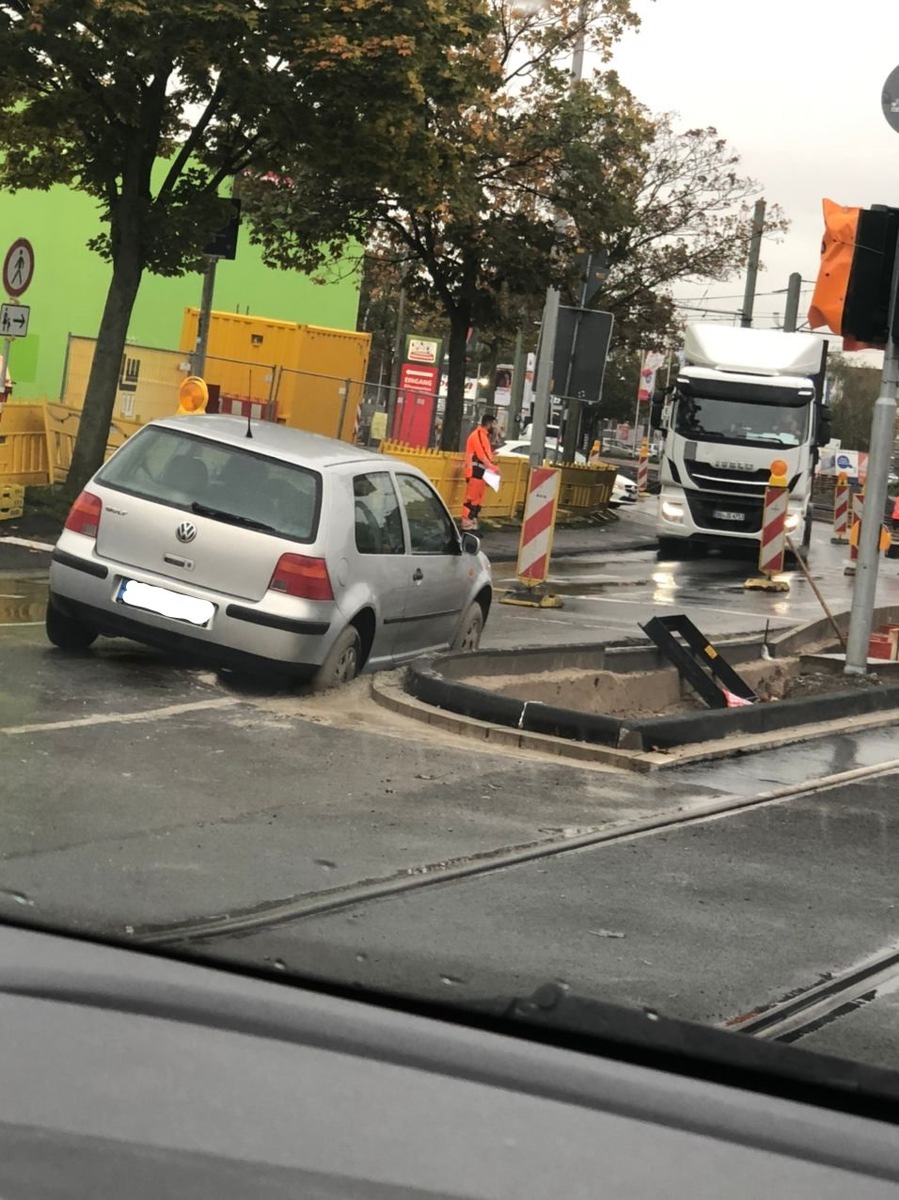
<point>312,376</point>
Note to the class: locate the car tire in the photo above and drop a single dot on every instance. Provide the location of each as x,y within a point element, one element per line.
<point>468,635</point>
<point>65,632</point>
<point>341,664</point>
<point>675,548</point>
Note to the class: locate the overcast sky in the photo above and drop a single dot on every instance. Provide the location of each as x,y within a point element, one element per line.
<point>795,88</point>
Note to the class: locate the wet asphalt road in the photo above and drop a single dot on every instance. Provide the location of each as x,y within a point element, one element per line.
<point>139,792</point>
<point>705,921</point>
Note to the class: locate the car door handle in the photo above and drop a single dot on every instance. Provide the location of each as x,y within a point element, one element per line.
<point>418,574</point>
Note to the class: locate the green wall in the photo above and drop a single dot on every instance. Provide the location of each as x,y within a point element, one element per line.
<point>70,282</point>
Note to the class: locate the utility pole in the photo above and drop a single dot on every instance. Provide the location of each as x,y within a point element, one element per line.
<point>198,366</point>
<point>573,407</point>
<point>791,311</point>
<point>577,58</point>
<point>752,267</point>
<point>546,353</point>
<point>883,420</point>
<point>519,360</point>
<point>397,364</point>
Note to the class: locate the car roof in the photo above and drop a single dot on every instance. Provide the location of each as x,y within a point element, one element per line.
<point>277,441</point>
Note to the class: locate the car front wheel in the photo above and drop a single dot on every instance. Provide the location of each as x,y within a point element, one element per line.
<point>65,632</point>
<point>341,664</point>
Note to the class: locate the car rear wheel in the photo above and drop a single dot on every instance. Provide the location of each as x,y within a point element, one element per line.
<point>65,632</point>
<point>469,634</point>
<point>342,662</point>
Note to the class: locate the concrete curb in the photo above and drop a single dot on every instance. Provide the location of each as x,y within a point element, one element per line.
<point>440,683</point>
<point>389,693</point>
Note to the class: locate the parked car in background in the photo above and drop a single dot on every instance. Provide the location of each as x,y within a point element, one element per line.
<point>624,490</point>
<point>266,549</point>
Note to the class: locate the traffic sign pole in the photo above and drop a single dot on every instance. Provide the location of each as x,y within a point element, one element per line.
<point>18,268</point>
<point>4,365</point>
<point>883,418</point>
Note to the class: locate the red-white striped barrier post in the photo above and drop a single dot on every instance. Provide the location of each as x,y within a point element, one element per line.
<point>855,529</point>
<point>855,533</point>
<point>643,470</point>
<point>841,510</point>
<point>535,546</point>
<point>773,538</point>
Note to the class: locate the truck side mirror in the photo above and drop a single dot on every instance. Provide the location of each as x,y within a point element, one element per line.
<point>823,431</point>
<point>655,411</point>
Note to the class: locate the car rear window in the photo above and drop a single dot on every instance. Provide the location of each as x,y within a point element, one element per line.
<point>180,470</point>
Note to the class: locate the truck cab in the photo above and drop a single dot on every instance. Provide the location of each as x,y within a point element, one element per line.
<point>742,399</point>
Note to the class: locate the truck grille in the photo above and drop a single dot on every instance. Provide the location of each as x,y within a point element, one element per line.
<point>720,479</point>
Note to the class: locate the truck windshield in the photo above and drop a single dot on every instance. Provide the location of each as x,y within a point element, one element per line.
<point>709,418</point>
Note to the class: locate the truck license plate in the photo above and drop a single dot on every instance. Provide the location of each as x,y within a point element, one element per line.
<point>723,515</point>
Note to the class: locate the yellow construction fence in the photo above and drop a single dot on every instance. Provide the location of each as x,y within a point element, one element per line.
<point>36,442</point>
<point>584,490</point>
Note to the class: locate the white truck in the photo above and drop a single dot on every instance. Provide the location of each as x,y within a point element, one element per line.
<point>743,398</point>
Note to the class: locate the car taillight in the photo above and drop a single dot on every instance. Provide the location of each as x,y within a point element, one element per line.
<point>296,575</point>
<point>84,515</point>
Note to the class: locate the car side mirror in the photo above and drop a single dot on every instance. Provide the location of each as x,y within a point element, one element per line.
<point>470,544</point>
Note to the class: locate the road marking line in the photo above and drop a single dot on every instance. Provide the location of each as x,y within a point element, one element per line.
<point>16,624</point>
<point>27,543</point>
<point>150,714</point>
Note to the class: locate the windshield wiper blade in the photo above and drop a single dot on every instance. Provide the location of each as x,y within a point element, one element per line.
<point>233,518</point>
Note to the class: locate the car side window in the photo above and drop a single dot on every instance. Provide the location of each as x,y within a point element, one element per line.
<point>377,518</point>
<point>431,530</point>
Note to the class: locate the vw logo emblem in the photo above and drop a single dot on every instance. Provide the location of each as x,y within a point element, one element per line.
<point>186,531</point>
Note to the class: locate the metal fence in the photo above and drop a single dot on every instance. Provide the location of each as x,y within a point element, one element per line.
<point>149,379</point>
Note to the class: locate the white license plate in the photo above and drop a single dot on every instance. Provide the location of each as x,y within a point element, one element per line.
<point>722,515</point>
<point>165,603</point>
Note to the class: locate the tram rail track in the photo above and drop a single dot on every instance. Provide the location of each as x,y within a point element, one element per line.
<point>418,877</point>
<point>828,1000</point>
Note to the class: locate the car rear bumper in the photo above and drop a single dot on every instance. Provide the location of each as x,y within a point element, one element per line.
<point>113,624</point>
<point>261,638</point>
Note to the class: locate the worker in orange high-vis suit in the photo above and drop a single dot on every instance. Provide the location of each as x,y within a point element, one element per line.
<point>478,457</point>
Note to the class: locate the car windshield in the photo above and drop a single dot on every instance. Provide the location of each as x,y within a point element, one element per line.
<point>217,480</point>
<point>309,676</point>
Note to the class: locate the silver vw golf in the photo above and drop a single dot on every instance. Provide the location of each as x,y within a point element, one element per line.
<point>265,549</point>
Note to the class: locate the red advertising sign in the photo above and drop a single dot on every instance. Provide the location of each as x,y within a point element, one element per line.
<point>415,404</point>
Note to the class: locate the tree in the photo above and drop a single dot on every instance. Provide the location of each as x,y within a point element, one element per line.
<point>151,106</point>
<point>691,219</point>
<point>855,390</point>
<point>507,169</point>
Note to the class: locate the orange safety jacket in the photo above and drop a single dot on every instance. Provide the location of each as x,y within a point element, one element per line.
<point>478,452</point>
<point>896,509</point>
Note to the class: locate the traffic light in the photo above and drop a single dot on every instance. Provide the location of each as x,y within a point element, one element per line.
<point>852,291</point>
